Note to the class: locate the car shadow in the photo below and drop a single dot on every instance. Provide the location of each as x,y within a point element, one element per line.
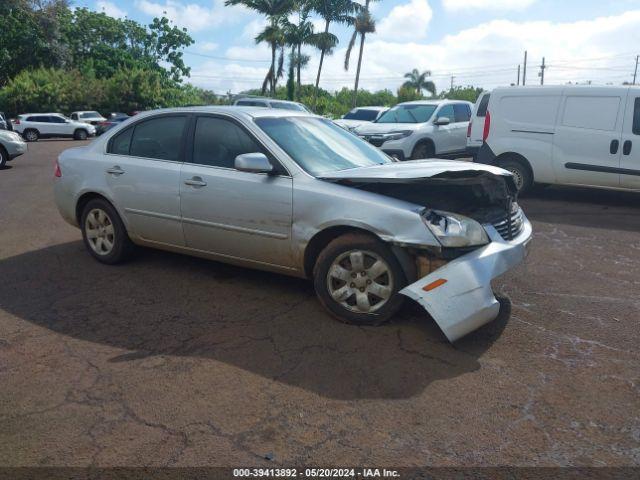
<point>583,207</point>
<point>163,304</point>
<point>6,167</point>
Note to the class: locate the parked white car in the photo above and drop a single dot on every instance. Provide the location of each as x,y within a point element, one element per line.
<point>11,146</point>
<point>476,124</point>
<point>271,103</point>
<point>91,117</point>
<point>570,135</point>
<point>421,129</point>
<point>360,116</point>
<point>33,126</point>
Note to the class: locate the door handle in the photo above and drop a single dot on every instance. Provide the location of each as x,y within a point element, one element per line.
<point>626,148</point>
<point>613,148</point>
<point>115,170</point>
<point>195,182</point>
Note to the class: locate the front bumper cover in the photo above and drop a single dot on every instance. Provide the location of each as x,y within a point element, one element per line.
<point>466,301</point>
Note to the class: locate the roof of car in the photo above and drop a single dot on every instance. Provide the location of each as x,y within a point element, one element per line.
<point>236,110</point>
<point>45,113</point>
<point>432,102</point>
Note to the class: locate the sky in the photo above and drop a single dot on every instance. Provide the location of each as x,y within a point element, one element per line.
<point>477,42</point>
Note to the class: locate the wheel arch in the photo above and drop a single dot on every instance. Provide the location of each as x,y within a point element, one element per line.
<point>86,198</point>
<point>516,157</point>
<point>321,239</point>
<point>423,141</point>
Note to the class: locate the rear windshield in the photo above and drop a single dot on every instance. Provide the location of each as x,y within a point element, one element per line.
<point>361,114</point>
<point>408,114</point>
<point>287,106</point>
<point>482,108</point>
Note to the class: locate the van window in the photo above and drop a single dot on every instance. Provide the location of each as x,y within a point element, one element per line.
<point>636,117</point>
<point>593,113</point>
<point>530,109</point>
<point>482,108</point>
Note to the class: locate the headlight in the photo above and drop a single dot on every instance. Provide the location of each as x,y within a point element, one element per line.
<point>454,230</point>
<point>398,135</point>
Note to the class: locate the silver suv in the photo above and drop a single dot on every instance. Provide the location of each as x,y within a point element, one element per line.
<point>33,126</point>
<point>421,129</point>
<point>294,193</point>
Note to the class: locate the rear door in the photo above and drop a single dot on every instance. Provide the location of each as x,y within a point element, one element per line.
<point>474,140</point>
<point>586,146</point>
<point>462,115</point>
<point>630,160</point>
<point>142,171</point>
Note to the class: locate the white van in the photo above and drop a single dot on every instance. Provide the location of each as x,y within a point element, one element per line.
<point>570,135</point>
<point>476,124</point>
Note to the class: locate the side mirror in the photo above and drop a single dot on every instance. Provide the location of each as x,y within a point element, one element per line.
<point>253,162</point>
<point>441,121</point>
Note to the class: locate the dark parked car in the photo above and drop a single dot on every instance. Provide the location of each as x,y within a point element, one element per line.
<point>102,127</point>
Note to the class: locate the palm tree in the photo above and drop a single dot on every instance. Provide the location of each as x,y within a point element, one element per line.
<point>363,24</point>
<point>336,11</point>
<point>296,35</point>
<point>275,10</point>
<point>273,34</point>
<point>418,81</point>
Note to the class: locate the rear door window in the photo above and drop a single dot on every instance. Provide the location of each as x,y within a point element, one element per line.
<point>482,107</point>
<point>462,112</point>
<point>159,138</point>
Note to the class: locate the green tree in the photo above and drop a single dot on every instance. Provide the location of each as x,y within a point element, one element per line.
<point>470,94</point>
<point>364,23</point>
<point>296,35</point>
<point>408,94</point>
<point>331,11</point>
<point>275,11</point>
<point>419,82</point>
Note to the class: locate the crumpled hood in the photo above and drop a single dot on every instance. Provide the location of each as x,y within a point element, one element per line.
<point>377,128</point>
<point>410,170</point>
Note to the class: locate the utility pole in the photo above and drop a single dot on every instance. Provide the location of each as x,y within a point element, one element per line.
<point>518,82</point>
<point>524,70</point>
<point>542,67</point>
<point>452,77</point>
<point>635,73</point>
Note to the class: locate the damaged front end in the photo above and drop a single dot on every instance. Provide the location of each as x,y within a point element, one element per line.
<point>482,233</point>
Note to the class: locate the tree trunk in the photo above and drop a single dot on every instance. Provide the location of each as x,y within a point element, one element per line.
<point>355,88</point>
<point>273,69</point>
<point>298,72</point>
<point>315,93</point>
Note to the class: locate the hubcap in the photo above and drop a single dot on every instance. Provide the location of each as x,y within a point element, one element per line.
<point>99,231</point>
<point>360,281</point>
<point>517,176</point>
<point>31,136</point>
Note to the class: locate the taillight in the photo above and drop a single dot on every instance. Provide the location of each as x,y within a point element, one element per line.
<point>487,126</point>
<point>103,124</point>
<point>469,129</point>
<point>16,121</point>
<point>57,172</point>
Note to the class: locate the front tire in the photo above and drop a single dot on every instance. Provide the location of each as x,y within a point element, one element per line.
<point>104,233</point>
<point>4,157</point>
<point>423,150</point>
<point>357,279</point>
<point>80,134</point>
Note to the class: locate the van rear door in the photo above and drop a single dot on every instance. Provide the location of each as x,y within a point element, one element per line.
<point>630,143</point>
<point>474,139</point>
<point>586,146</point>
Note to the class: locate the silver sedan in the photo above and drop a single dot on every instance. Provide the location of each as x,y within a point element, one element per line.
<point>294,193</point>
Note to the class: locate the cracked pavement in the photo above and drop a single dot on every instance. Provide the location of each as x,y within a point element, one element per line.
<point>171,360</point>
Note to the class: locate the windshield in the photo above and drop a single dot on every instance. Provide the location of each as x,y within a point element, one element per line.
<point>408,114</point>
<point>319,146</point>
<point>361,114</point>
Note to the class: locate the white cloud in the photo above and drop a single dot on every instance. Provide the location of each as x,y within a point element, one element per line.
<point>111,9</point>
<point>486,55</point>
<point>499,5</point>
<point>193,16</point>
<point>408,21</point>
<point>253,28</point>
<point>207,46</point>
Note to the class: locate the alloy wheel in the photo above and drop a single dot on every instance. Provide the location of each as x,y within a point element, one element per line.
<point>360,281</point>
<point>100,232</point>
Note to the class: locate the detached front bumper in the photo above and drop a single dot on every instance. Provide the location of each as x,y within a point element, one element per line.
<point>464,300</point>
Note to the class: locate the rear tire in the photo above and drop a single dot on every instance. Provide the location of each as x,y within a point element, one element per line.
<point>104,233</point>
<point>80,134</point>
<point>521,174</point>
<point>423,150</point>
<point>359,292</point>
<point>31,135</point>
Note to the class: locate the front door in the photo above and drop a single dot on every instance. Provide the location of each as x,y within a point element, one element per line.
<point>630,160</point>
<point>446,134</point>
<point>142,171</point>
<point>586,143</point>
<point>232,213</point>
